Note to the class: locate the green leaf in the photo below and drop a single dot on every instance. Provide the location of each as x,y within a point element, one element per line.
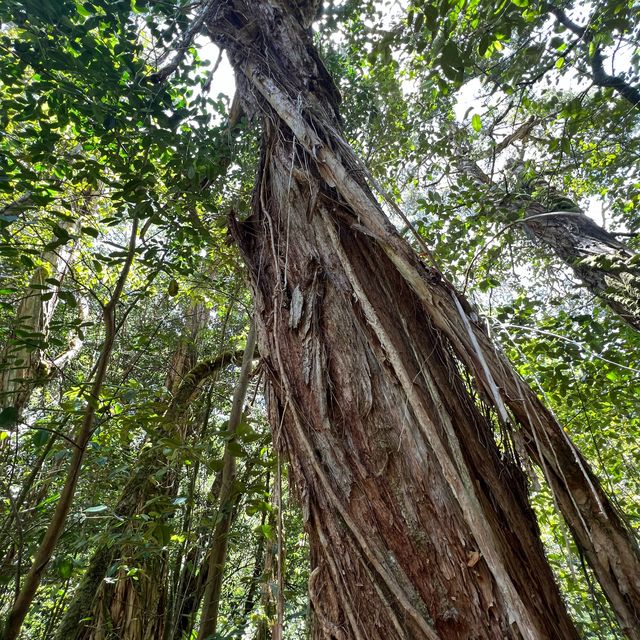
<point>265,530</point>
<point>65,568</point>
<point>90,231</point>
<point>476,122</point>
<point>40,437</point>
<point>9,417</point>
<point>162,533</point>
<point>68,298</point>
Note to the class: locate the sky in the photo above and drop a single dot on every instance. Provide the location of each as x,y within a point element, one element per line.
<point>472,96</point>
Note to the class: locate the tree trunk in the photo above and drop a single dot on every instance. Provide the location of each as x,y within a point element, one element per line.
<point>13,526</point>
<point>134,606</point>
<point>226,500</point>
<point>419,526</point>
<point>22,362</point>
<point>605,265</point>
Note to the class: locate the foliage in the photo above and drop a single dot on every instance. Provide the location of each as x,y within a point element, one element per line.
<point>108,117</point>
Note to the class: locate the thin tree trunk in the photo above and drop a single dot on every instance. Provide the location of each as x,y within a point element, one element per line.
<point>23,512</point>
<point>258,569</point>
<point>54,530</point>
<point>192,581</point>
<point>267,596</point>
<point>226,500</point>
<point>419,526</point>
<point>136,609</point>
<point>25,489</point>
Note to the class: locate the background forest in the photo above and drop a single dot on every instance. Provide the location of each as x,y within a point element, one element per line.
<point>503,139</point>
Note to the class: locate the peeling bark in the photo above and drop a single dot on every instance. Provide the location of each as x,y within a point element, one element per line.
<point>604,265</point>
<point>419,526</point>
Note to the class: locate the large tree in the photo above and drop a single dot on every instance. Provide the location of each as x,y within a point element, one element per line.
<point>414,531</point>
<point>405,426</point>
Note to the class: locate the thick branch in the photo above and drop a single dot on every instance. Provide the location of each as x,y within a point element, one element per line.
<point>192,381</point>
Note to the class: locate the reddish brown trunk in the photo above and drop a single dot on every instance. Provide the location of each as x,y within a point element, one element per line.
<point>419,526</point>
<point>393,555</point>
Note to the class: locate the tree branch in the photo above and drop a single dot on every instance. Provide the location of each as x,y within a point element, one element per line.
<point>196,26</point>
<point>197,375</point>
<point>599,76</point>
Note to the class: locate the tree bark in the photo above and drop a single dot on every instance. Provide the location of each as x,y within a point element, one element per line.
<point>22,362</point>
<point>419,526</point>
<point>605,265</point>
<point>226,500</point>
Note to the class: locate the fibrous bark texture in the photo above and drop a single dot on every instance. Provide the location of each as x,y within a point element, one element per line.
<point>419,525</point>
<point>393,552</point>
<point>603,263</point>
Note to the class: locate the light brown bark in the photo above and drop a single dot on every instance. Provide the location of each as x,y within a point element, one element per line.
<point>22,363</point>
<point>419,525</point>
